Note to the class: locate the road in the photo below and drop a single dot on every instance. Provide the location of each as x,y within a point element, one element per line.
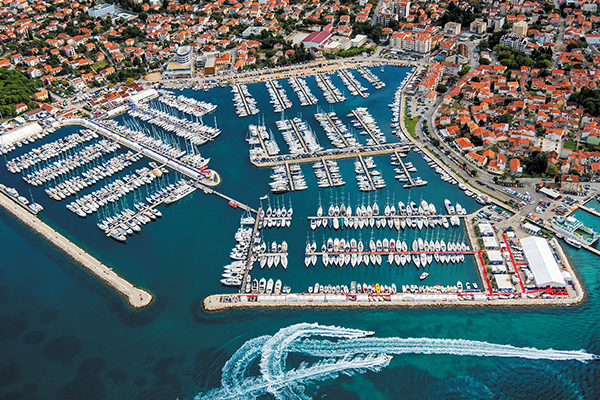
<point>560,38</point>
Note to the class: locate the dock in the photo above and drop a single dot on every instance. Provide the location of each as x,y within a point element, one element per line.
<point>366,172</point>
<point>136,297</point>
<point>549,227</point>
<point>410,179</point>
<point>237,204</point>
<point>306,96</point>
<point>289,176</point>
<point>337,130</point>
<point>365,126</point>
<point>353,83</point>
<point>329,154</point>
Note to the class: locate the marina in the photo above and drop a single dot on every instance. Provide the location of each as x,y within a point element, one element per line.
<point>56,316</point>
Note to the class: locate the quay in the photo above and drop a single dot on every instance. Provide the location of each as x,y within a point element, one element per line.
<point>219,302</point>
<point>386,217</point>
<point>353,83</point>
<point>410,179</point>
<point>136,297</point>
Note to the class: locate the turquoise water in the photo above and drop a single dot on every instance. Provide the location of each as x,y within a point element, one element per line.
<point>64,335</point>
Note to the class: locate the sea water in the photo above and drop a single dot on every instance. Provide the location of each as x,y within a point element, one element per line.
<point>65,335</point>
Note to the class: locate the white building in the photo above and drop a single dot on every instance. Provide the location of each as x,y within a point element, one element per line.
<point>100,10</point>
<point>542,263</point>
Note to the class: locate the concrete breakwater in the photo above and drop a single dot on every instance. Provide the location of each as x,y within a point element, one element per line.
<point>136,297</point>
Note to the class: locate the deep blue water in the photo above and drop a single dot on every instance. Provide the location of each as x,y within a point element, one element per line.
<point>64,335</point>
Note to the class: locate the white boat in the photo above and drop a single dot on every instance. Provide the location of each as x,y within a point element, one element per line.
<point>424,275</point>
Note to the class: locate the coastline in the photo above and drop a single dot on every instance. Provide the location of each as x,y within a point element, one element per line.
<point>136,297</point>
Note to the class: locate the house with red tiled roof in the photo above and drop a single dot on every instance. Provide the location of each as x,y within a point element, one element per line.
<point>464,144</point>
<point>515,167</point>
<point>477,159</point>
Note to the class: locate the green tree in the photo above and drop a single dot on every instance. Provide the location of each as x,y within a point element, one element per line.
<point>441,88</point>
<point>552,170</point>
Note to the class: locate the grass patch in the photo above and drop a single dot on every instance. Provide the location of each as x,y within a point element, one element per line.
<point>100,65</point>
<point>570,144</point>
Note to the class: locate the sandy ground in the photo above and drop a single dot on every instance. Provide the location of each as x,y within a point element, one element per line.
<point>153,77</point>
<point>137,297</point>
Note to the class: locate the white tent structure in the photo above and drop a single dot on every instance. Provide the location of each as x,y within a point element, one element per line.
<point>542,263</point>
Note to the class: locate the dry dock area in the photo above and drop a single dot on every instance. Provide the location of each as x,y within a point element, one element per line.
<point>136,297</point>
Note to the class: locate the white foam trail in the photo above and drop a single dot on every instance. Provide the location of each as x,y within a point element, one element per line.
<point>350,351</point>
<point>458,347</point>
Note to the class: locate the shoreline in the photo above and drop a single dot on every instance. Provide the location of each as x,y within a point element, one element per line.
<point>136,297</point>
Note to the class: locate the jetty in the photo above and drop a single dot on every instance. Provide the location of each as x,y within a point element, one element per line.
<point>352,82</point>
<point>326,168</point>
<point>136,297</point>
<point>364,125</point>
<point>161,158</point>
<point>336,129</point>
<point>410,179</point>
<point>330,154</point>
<point>366,171</point>
<point>234,203</point>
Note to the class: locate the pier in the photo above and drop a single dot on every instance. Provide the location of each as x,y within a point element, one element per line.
<point>306,96</point>
<point>236,203</point>
<point>136,297</point>
<point>366,172</point>
<point>326,167</point>
<point>590,210</point>
<point>248,264</point>
<point>299,135</point>
<point>350,79</point>
<point>365,126</point>
<point>289,176</point>
<point>277,95</point>
<point>331,154</point>
<point>337,130</point>
<point>243,97</point>
<point>329,88</point>
<point>410,179</point>
<point>161,158</point>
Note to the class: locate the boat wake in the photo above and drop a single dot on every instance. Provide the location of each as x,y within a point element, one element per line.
<point>342,351</point>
